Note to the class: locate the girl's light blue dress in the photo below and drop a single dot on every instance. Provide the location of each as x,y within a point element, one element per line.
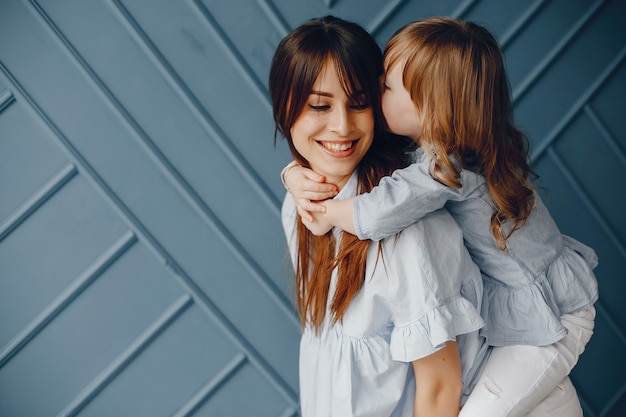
<point>422,291</point>
<point>543,274</point>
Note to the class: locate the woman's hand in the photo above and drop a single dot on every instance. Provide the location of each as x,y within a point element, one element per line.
<point>308,190</point>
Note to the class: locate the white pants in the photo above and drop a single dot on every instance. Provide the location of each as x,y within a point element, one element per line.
<point>523,380</point>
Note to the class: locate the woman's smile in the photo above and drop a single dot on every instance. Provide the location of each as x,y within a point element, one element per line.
<point>339,149</point>
<point>335,129</point>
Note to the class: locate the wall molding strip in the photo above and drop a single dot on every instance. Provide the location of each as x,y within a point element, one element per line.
<point>289,412</point>
<point>221,378</point>
<point>219,35</point>
<point>69,294</point>
<point>93,388</point>
<point>193,103</point>
<point>275,17</point>
<point>6,99</point>
<point>463,8</point>
<point>329,3</point>
<point>579,104</point>
<point>610,140</point>
<point>615,398</point>
<point>554,53</point>
<point>521,22</point>
<point>610,320</point>
<point>586,406</point>
<point>37,199</point>
<point>161,254</point>
<point>221,321</point>
<point>588,202</point>
<point>386,13</point>
<point>182,186</point>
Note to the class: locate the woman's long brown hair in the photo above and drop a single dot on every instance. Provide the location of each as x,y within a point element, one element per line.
<point>454,71</point>
<point>297,62</point>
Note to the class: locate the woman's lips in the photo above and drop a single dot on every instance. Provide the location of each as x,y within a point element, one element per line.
<point>341,149</point>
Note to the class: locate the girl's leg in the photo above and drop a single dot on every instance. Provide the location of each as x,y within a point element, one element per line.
<point>561,402</point>
<point>517,378</point>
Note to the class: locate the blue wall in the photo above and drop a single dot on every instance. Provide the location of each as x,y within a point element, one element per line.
<point>142,263</point>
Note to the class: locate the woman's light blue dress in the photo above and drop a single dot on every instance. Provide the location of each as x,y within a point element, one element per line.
<point>422,291</point>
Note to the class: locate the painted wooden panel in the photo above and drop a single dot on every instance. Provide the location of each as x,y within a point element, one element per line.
<point>142,264</point>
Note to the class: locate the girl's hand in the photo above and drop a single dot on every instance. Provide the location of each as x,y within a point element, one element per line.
<point>308,189</point>
<point>319,224</point>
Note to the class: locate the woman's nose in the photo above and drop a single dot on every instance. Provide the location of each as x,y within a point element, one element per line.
<point>341,121</point>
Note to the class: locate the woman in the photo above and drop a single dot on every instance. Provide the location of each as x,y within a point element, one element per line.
<point>389,329</point>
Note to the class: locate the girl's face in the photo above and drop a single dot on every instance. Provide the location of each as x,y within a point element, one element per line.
<point>333,132</point>
<point>399,110</point>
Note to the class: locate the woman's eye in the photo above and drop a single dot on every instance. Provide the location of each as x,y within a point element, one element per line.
<point>386,87</point>
<point>317,107</point>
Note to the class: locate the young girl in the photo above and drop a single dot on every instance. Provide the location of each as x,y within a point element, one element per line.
<point>446,88</point>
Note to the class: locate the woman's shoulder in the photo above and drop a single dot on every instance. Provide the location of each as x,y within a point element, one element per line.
<point>434,228</point>
<point>433,245</point>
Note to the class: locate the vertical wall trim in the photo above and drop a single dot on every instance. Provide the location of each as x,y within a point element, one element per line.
<point>212,386</point>
<point>37,199</point>
<point>92,389</point>
<point>84,280</point>
<point>559,47</point>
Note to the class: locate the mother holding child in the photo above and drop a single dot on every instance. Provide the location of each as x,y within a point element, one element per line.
<point>390,328</point>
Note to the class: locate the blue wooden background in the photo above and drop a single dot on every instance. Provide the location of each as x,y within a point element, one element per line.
<point>142,263</point>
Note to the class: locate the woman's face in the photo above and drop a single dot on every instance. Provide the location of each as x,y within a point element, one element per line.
<point>333,132</point>
<point>400,112</point>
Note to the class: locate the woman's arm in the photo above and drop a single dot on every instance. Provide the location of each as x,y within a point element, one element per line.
<point>438,383</point>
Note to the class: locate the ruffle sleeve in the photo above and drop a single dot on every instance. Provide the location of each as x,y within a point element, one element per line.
<point>428,333</point>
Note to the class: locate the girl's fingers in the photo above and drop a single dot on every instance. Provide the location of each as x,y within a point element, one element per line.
<point>306,216</point>
<point>310,207</point>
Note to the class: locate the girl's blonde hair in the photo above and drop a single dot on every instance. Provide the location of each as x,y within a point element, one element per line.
<point>454,71</point>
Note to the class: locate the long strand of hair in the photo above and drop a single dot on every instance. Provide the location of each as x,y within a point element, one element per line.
<point>318,256</point>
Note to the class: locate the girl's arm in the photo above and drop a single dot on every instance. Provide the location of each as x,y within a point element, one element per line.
<point>438,383</point>
<point>338,213</point>
<point>402,199</point>
<point>398,201</point>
